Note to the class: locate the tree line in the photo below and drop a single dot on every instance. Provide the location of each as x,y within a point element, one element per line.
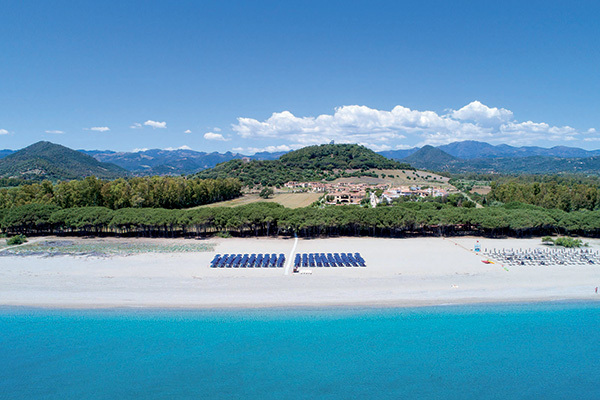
<point>566,195</point>
<point>266,219</point>
<point>141,192</point>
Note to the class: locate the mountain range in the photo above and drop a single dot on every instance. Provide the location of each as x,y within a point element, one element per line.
<point>471,149</point>
<point>435,159</point>
<point>466,156</point>
<point>45,160</point>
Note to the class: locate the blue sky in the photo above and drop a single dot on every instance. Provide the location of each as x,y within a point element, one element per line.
<point>278,75</point>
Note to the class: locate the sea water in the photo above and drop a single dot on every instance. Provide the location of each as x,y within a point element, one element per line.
<point>534,351</point>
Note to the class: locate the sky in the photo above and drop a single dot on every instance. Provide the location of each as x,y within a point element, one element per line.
<point>278,75</point>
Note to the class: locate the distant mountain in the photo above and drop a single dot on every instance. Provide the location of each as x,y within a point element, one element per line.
<point>265,155</point>
<point>45,160</point>
<point>158,161</point>
<point>430,157</point>
<point>529,165</point>
<point>161,162</point>
<point>440,162</point>
<point>398,154</point>
<point>5,152</point>
<point>471,149</point>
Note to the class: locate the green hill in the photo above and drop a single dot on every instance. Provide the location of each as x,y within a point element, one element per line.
<point>45,160</point>
<point>310,163</point>
<point>337,156</point>
<point>430,157</point>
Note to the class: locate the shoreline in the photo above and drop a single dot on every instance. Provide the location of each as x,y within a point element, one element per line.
<point>303,307</point>
<point>400,273</point>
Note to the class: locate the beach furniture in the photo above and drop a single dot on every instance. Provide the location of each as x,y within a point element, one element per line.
<point>331,260</point>
<point>215,261</point>
<point>230,259</point>
<point>266,261</point>
<point>338,260</point>
<point>318,261</point>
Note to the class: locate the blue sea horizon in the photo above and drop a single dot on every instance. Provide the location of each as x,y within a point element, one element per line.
<point>491,351</point>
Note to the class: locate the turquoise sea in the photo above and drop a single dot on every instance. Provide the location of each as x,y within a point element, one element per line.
<point>524,351</point>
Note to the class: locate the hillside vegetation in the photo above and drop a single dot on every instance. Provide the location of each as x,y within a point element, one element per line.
<point>164,192</point>
<point>311,163</point>
<point>435,159</point>
<point>45,160</point>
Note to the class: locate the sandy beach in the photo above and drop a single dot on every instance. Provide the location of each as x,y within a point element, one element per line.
<point>399,272</point>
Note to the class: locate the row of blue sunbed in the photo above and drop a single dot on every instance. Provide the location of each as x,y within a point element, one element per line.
<point>329,260</point>
<point>248,261</point>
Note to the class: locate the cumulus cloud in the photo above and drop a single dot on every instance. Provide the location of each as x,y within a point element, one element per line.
<point>184,147</point>
<point>136,125</point>
<point>100,129</point>
<point>214,136</point>
<point>57,132</point>
<point>139,150</point>
<point>156,124</point>
<point>382,129</point>
<point>269,149</point>
<point>480,113</point>
<point>3,132</point>
<point>187,131</point>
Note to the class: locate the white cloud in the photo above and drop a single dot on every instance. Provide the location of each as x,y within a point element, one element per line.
<point>591,131</point>
<point>155,124</point>
<point>139,150</point>
<point>136,125</point>
<point>214,136</point>
<point>478,112</point>
<point>100,129</point>
<point>382,129</point>
<point>216,129</point>
<point>3,132</point>
<point>187,131</point>
<point>57,132</point>
<point>184,147</point>
<point>269,149</point>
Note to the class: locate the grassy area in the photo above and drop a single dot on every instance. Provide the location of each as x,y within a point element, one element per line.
<point>101,248</point>
<point>483,190</point>
<point>399,177</point>
<point>290,200</point>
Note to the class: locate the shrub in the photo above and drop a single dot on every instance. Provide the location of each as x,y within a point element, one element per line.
<point>568,242</point>
<point>266,193</point>
<point>16,240</point>
<point>547,240</point>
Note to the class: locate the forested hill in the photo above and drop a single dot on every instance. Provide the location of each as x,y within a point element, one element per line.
<point>431,158</point>
<point>443,162</point>
<point>45,160</point>
<point>337,156</point>
<point>311,163</point>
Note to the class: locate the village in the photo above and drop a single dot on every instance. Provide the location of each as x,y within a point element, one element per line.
<point>344,193</point>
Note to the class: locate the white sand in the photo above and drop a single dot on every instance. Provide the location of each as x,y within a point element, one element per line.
<point>400,272</point>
